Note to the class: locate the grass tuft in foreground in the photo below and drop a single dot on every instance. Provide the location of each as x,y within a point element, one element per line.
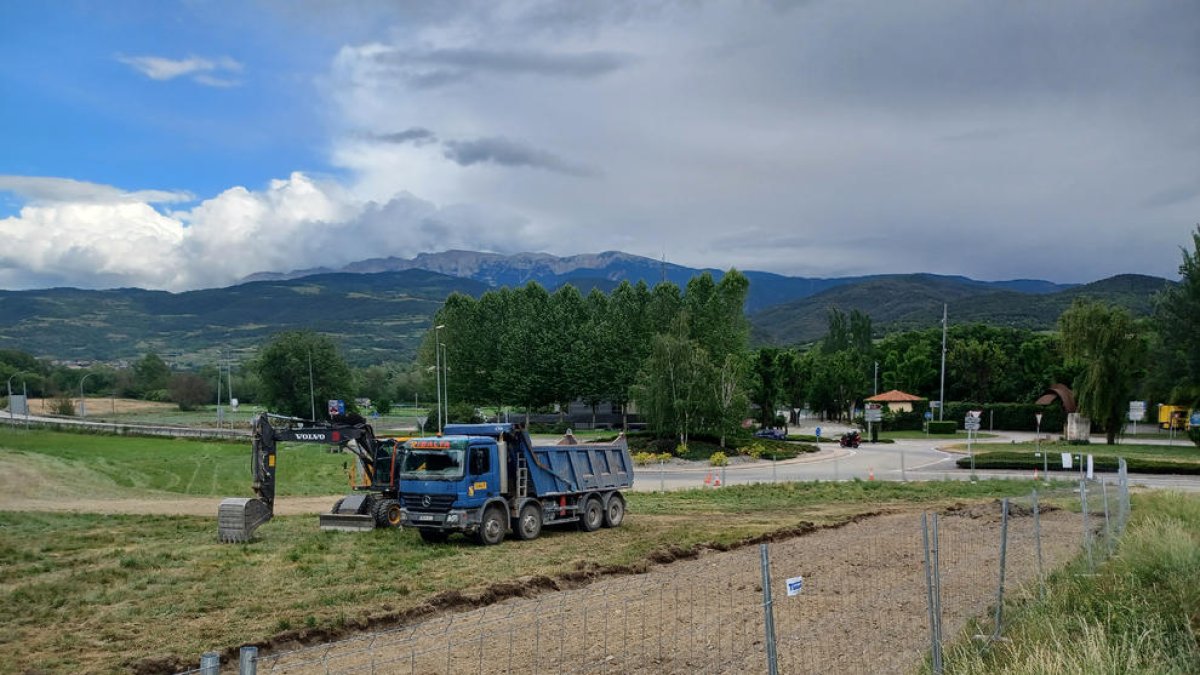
<point>1140,612</point>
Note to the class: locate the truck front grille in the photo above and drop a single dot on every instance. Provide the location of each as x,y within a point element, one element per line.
<point>428,503</point>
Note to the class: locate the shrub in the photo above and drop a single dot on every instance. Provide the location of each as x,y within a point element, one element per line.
<point>63,405</point>
<point>943,427</point>
<point>681,450</point>
<point>644,458</point>
<point>718,458</point>
<point>755,450</point>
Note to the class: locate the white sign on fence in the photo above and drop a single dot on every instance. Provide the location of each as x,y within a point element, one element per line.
<point>795,585</point>
<point>1090,468</point>
<point>1066,460</point>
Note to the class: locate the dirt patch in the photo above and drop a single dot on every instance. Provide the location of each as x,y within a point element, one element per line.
<point>862,608</point>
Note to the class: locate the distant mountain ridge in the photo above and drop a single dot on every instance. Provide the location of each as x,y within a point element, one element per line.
<point>379,316</point>
<point>606,270</point>
<point>905,302</point>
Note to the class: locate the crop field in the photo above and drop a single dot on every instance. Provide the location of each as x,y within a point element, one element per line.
<point>94,590</point>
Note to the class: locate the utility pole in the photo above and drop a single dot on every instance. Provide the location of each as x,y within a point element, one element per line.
<point>312,398</point>
<point>876,378</point>
<point>437,356</point>
<point>942,396</point>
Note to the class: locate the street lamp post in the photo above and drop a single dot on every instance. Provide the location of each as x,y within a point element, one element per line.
<point>446,380</point>
<point>10,410</point>
<point>82,400</point>
<point>437,379</point>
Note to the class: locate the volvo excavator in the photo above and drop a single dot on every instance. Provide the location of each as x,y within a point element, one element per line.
<point>375,501</point>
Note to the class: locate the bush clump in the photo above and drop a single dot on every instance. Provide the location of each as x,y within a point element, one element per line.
<point>718,458</point>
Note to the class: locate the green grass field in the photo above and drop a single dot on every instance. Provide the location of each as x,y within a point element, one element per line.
<point>179,466</point>
<point>1162,459</point>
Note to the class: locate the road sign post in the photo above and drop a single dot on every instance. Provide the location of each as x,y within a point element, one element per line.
<point>1038,438</point>
<point>971,423</point>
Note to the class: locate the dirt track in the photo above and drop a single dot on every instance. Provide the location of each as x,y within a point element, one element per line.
<point>863,608</point>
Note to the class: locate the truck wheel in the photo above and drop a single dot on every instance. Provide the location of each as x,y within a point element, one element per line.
<point>615,512</point>
<point>529,522</point>
<point>491,528</point>
<point>434,536</point>
<point>593,515</point>
<point>387,513</point>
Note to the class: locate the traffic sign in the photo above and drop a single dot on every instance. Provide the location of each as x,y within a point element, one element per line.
<point>928,415</point>
<point>1137,411</point>
<point>873,412</point>
<point>1195,420</point>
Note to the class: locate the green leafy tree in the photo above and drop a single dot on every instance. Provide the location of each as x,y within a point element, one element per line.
<point>190,391</point>
<point>1109,348</point>
<point>151,374</point>
<point>766,384</point>
<point>1177,318</point>
<point>283,368</point>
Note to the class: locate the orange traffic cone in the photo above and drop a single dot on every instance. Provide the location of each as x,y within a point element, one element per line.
<point>716,481</point>
<point>708,479</point>
<point>1035,473</point>
<point>871,473</point>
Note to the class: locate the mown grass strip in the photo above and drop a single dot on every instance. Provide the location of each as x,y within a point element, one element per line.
<point>85,592</point>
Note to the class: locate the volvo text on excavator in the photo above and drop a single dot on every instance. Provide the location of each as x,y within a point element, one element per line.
<point>375,501</point>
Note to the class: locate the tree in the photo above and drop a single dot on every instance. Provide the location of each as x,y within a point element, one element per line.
<point>1107,345</point>
<point>766,387</point>
<point>1177,318</point>
<point>189,390</point>
<point>151,374</point>
<point>283,367</point>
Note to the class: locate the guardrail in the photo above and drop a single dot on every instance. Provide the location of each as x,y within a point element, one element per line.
<point>123,429</point>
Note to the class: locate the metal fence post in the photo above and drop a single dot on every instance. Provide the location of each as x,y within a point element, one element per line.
<point>1087,535</point>
<point>1123,480</point>
<point>935,660</point>
<point>768,611</point>
<point>248,661</point>
<point>1107,526</point>
<point>210,663</point>
<point>1003,558</point>
<point>1037,540</point>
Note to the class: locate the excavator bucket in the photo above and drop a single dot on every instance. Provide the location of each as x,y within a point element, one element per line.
<point>351,514</point>
<point>239,517</point>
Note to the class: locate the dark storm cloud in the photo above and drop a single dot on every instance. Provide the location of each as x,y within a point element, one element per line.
<point>416,136</point>
<point>507,152</point>
<point>438,67</point>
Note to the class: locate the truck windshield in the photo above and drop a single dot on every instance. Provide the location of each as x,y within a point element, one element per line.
<point>432,465</point>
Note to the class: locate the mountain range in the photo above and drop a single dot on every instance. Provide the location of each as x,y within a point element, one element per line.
<point>379,309</point>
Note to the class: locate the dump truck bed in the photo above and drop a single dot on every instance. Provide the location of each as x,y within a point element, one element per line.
<point>565,469</point>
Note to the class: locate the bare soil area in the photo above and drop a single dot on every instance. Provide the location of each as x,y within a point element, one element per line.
<point>862,607</point>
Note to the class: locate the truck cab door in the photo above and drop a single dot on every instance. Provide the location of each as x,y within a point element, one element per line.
<point>481,470</point>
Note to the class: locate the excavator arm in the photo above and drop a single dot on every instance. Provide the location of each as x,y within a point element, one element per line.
<point>239,517</point>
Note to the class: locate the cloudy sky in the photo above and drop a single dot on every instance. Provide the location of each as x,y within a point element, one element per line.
<point>187,144</point>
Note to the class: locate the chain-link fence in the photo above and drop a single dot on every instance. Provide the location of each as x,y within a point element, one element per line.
<point>878,595</point>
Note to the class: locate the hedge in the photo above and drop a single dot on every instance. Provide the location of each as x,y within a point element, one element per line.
<point>1026,460</point>
<point>944,427</point>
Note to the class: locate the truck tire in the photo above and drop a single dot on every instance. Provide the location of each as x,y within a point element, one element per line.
<point>434,536</point>
<point>529,522</point>
<point>615,513</point>
<point>387,513</point>
<point>491,527</point>
<point>592,516</point>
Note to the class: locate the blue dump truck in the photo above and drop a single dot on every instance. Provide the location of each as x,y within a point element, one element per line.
<point>486,480</point>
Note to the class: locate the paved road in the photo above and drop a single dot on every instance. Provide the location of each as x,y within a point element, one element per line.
<point>916,459</point>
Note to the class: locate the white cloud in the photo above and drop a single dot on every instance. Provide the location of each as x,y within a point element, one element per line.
<point>38,189</point>
<point>203,71</point>
<point>102,237</point>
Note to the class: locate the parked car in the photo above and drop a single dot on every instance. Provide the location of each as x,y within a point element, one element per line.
<point>773,434</point>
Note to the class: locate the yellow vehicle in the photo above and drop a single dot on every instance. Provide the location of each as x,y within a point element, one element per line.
<point>1174,417</point>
